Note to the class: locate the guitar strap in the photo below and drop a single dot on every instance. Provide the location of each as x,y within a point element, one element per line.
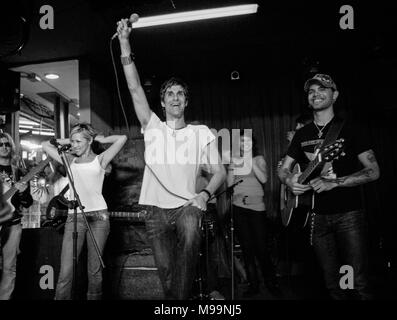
<point>331,137</point>
<point>333,132</point>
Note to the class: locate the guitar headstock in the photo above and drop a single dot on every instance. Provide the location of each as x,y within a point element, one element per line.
<point>333,151</point>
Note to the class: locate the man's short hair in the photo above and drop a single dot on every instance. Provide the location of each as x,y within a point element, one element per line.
<point>173,82</point>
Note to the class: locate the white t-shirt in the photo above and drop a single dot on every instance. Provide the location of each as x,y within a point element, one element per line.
<point>173,158</point>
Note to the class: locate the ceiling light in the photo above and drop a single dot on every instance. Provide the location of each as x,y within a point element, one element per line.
<point>43,133</point>
<point>52,76</point>
<point>33,77</point>
<point>195,15</point>
<point>28,122</point>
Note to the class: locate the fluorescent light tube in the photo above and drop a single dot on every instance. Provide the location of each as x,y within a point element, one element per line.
<point>195,15</point>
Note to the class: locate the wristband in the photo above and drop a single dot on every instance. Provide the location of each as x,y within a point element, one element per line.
<point>127,60</point>
<point>207,192</point>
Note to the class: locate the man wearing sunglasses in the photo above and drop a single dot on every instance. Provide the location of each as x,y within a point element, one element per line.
<point>11,231</point>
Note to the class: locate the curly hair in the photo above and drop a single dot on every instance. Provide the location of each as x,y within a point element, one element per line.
<point>13,154</point>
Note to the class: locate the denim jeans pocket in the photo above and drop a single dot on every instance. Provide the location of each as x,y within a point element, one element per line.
<point>352,220</point>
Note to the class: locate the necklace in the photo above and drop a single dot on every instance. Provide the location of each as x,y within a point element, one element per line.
<point>174,131</point>
<point>320,131</point>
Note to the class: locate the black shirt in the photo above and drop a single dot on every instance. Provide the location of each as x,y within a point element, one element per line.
<point>302,149</point>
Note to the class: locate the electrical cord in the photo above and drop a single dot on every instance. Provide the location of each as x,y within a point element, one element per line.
<point>126,121</point>
<point>118,86</point>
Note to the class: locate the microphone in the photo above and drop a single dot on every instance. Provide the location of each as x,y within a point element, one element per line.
<point>133,18</point>
<point>60,147</point>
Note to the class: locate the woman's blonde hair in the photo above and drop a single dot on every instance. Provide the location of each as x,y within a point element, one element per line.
<point>85,129</point>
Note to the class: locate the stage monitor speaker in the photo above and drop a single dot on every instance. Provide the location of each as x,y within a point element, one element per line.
<point>39,247</point>
<point>9,91</point>
<point>41,251</point>
<point>134,277</point>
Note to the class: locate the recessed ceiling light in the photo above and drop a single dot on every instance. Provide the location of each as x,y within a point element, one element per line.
<point>51,76</point>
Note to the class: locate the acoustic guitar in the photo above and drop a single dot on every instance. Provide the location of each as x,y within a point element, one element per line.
<point>306,201</point>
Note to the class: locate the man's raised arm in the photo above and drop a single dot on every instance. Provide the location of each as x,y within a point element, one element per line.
<point>138,96</point>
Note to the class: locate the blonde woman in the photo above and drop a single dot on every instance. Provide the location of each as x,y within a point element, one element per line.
<point>88,171</point>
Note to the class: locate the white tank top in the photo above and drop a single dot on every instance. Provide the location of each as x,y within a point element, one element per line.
<point>252,188</point>
<point>88,179</point>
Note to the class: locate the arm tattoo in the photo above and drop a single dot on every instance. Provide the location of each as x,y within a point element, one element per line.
<point>355,179</point>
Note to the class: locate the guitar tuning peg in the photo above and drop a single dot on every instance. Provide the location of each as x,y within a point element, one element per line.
<point>343,154</point>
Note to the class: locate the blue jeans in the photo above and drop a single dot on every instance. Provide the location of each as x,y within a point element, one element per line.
<point>175,237</point>
<point>99,223</point>
<point>340,239</point>
<point>11,237</point>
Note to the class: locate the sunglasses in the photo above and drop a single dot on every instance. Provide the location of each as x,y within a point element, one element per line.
<point>5,144</point>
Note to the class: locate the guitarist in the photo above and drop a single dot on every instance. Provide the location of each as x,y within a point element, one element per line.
<point>11,230</point>
<point>338,226</point>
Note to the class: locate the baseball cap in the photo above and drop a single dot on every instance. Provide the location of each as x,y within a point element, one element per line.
<point>323,79</point>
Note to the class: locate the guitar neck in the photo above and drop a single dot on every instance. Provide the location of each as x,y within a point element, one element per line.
<point>7,195</point>
<point>308,171</point>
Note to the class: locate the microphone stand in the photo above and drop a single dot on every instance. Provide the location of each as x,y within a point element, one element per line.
<point>73,204</point>
<point>229,192</point>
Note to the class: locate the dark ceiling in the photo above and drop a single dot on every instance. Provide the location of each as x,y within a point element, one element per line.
<point>280,36</point>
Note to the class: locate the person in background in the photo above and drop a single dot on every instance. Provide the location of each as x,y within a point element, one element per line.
<point>11,230</point>
<point>249,212</point>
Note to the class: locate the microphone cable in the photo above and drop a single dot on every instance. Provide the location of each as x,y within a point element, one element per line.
<point>118,86</point>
